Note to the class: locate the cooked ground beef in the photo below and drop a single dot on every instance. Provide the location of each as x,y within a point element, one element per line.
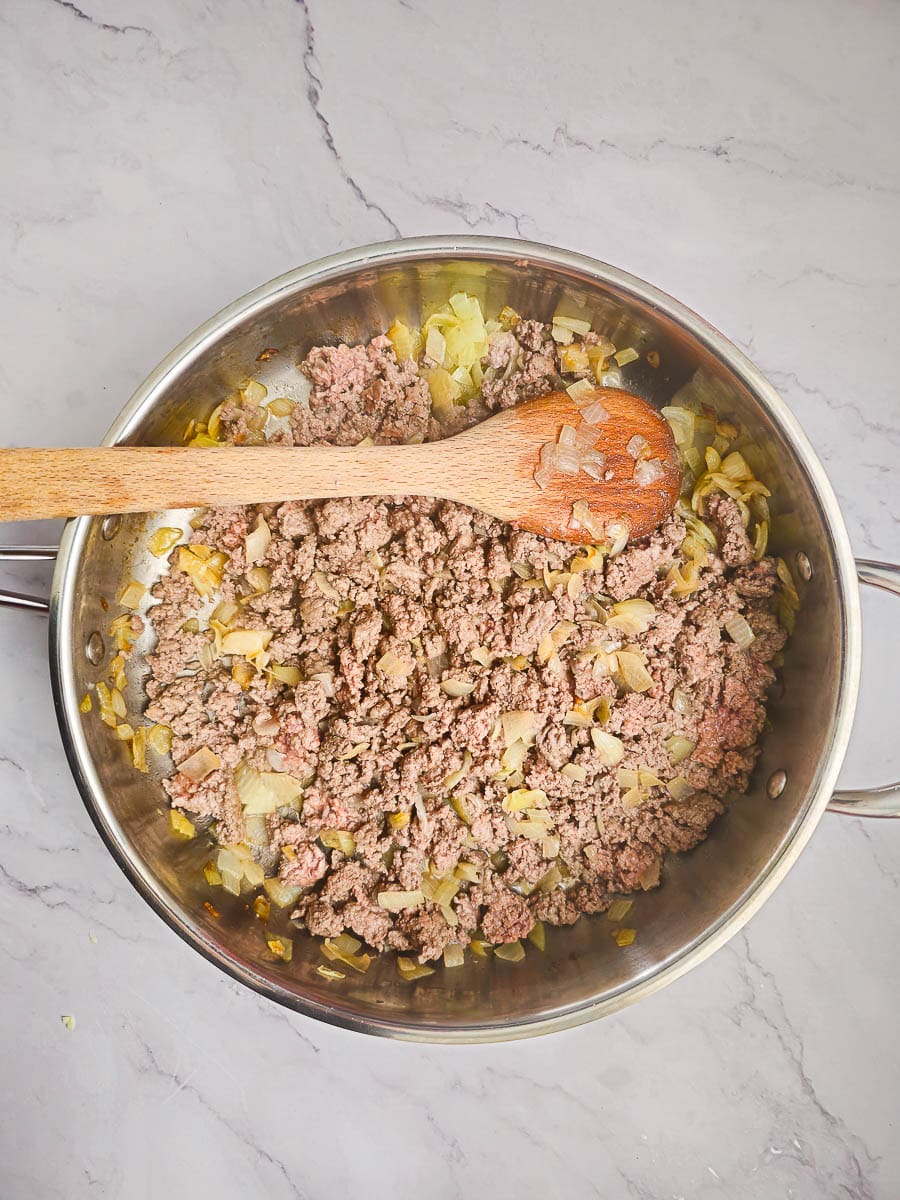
<point>438,589</point>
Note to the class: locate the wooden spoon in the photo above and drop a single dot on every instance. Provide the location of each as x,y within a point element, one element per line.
<point>489,467</point>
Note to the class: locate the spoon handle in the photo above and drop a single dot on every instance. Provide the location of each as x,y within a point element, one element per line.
<point>119,479</point>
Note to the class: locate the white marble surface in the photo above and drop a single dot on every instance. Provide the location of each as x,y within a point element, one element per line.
<point>163,156</point>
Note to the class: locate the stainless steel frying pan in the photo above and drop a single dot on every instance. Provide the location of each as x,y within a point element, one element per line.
<point>707,894</point>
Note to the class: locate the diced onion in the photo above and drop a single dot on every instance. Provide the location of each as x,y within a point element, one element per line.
<point>163,539</point>
<point>258,541</point>
<point>200,764</point>
<point>253,392</point>
<point>338,839</point>
<point>594,414</point>
<point>329,972</point>
<point>510,951</point>
<point>519,724</point>
<point>391,664</point>
<point>637,445</point>
<point>631,617</point>
<point>679,788</point>
<point>325,586</point>
<point>181,825</point>
<point>739,631</point>
<point>610,749</point>
<point>574,771</point>
<point>619,909</point>
<point>281,406</point>
<point>458,775</point>
<point>576,324</point>
<point>397,901</point>
<point>582,390</point>
<point>282,894</point>
<point>248,642</point>
<point>132,594</point>
<point>409,969</point>
<point>454,955</point>
<point>682,702</point>
<point>457,688</point>
<point>523,798</point>
<point>648,472</point>
<point>679,748</point>
<point>634,673</point>
<point>583,518</point>
<point>618,531</point>
<point>436,346</point>
<point>626,356</point>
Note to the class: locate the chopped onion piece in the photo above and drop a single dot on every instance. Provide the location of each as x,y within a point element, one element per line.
<point>519,725</point>
<point>581,391</point>
<point>538,935</point>
<point>457,688</point>
<point>634,673</point>
<point>454,955</point>
<point>200,764</point>
<point>626,356</point>
<point>510,951</point>
<point>253,393</point>
<point>631,617</point>
<point>618,531</point>
<point>329,972</point>
<point>561,335</point>
<point>543,477</point>
<point>249,642</point>
<point>457,776</point>
<point>257,541</point>
<point>281,406</point>
<point>181,825</point>
<point>625,937</point>
<point>325,586</point>
<point>574,771</point>
<point>583,518</point>
<point>282,894</point>
<point>163,539</point>
<point>576,324</point>
<point>679,748</point>
<point>436,346</point>
<point>132,594</point>
<point>409,969</point>
<point>338,839</point>
<point>739,631</point>
<point>594,414</point>
<point>391,664</point>
<point>648,472</point>
<point>568,460</point>
<point>682,702</point>
<point>397,901</point>
<point>679,788</point>
<point>633,798</point>
<point>637,446</point>
<point>610,749</point>
<point>524,798</point>
<point>354,751</point>
<point>619,909</point>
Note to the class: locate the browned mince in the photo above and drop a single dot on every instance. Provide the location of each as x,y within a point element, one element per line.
<point>432,581</point>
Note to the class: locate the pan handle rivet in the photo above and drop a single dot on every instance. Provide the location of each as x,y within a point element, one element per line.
<point>776,784</point>
<point>94,649</point>
<point>109,527</point>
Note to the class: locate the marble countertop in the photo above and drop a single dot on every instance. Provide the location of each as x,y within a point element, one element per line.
<point>164,156</point>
